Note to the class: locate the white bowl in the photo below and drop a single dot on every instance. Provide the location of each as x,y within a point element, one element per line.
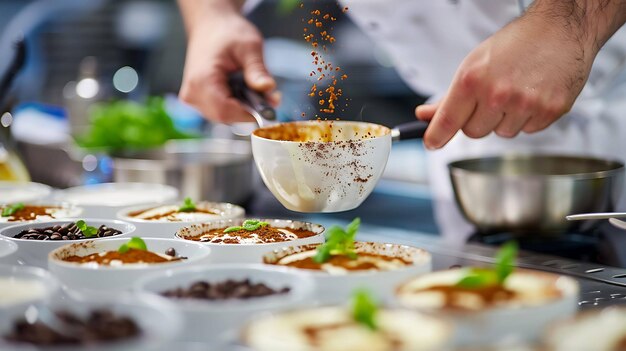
<point>516,321</point>
<point>162,228</point>
<point>337,288</point>
<point>598,330</point>
<point>115,278</point>
<point>11,192</point>
<point>35,252</point>
<point>36,286</point>
<point>157,318</point>
<point>290,330</point>
<point>105,200</point>
<point>221,320</point>
<point>67,211</point>
<point>8,250</point>
<point>249,253</point>
<point>314,176</point>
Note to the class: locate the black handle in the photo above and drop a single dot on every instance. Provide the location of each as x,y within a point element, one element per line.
<point>409,130</point>
<point>251,98</point>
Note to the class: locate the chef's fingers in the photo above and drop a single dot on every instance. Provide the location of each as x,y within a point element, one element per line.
<point>453,111</point>
<point>274,98</point>
<point>250,57</point>
<point>426,112</point>
<point>520,110</point>
<point>210,93</point>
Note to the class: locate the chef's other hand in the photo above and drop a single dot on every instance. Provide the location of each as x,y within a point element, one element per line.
<point>525,76</point>
<point>221,41</point>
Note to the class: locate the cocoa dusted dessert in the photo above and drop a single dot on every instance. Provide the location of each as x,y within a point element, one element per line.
<point>20,212</point>
<point>473,289</point>
<point>99,327</point>
<point>225,290</point>
<point>134,251</point>
<point>340,255</point>
<point>71,231</point>
<point>362,326</point>
<point>251,232</point>
<point>188,211</point>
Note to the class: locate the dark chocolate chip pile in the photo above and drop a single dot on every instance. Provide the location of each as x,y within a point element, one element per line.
<point>64,232</point>
<point>99,327</point>
<point>229,289</point>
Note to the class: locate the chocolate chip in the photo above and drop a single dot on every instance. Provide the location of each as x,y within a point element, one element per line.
<point>170,252</point>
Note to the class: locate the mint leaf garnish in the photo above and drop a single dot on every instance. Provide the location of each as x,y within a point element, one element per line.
<point>364,309</point>
<point>249,225</point>
<point>476,278</point>
<point>338,242</point>
<point>187,206</point>
<point>9,210</point>
<point>88,231</point>
<point>135,242</point>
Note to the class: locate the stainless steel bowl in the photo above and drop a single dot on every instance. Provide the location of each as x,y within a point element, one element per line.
<point>532,194</point>
<point>208,169</point>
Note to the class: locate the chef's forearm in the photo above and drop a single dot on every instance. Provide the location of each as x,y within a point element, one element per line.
<point>194,11</point>
<point>590,22</point>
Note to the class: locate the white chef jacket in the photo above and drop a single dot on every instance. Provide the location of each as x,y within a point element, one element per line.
<point>428,39</point>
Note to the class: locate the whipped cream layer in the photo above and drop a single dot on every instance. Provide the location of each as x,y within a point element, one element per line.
<point>334,329</point>
<point>529,289</point>
<point>14,291</point>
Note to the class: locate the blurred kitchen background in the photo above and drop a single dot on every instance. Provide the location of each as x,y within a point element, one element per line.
<point>91,63</point>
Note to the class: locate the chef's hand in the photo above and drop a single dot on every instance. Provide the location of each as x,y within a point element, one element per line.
<point>523,78</point>
<point>221,41</point>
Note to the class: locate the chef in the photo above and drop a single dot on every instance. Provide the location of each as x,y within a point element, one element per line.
<point>547,76</point>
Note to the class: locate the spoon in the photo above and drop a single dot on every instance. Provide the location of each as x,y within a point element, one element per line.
<point>598,215</point>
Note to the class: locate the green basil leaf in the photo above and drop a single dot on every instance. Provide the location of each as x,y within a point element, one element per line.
<point>322,255</point>
<point>505,260</point>
<point>187,206</point>
<point>478,278</point>
<point>9,210</point>
<point>232,229</point>
<point>364,309</point>
<point>135,243</point>
<point>338,242</point>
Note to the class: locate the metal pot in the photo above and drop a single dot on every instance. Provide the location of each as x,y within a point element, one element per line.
<point>210,169</point>
<point>532,194</point>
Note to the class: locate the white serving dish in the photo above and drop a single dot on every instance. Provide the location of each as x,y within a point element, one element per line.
<point>597,330</point>
<point>116,278</point>
<point>249,253</point>
<point>519,321</point>
<point>288,331</point>
<point>339,179</point>
<point>35,252</point>
<point>8,250</point>
<point>157,318</point>
<point>12,192</point>
<point>67,211</point>
<point>337,288</point>
<point>106,199</point>
<point>40,287</point>
<point>167,229</point>
<point>220,321</point>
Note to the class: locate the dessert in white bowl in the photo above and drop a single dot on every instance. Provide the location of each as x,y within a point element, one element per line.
<point>363,326</point>
<point>105,200</point>
<point>164,220</point>
<point>116,264</point>
<point>19,212</point>
<point>340,265</point>
<point>21,286</point>
<point>217,300</point>
<point>246,240</point>
<point>93,321</point>
<point>11,192</point>
<point>36,240</point>
<point>598,330</point>
<point>490,304</point>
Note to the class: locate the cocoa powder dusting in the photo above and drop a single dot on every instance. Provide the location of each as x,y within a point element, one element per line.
<point>128,257</point>
<point>266,234</point>
<point>490,295</point>
<point>167,214</point>
<point>344,262</point>
<point>30,213</point>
